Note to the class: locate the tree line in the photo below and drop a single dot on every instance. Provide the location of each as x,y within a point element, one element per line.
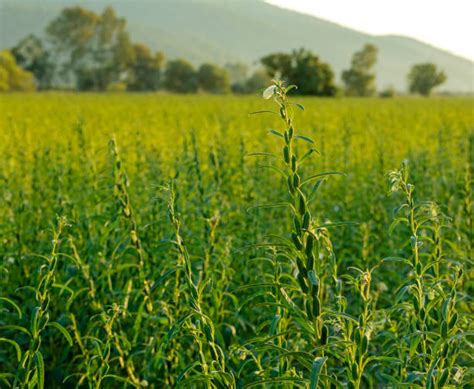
<point>86,51</point>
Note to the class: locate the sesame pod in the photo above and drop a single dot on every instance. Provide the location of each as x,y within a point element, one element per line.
<point>296,180</point>
<point>149,306</point>
<point>207,331</point>
<point>293,163</point>
<point>308,310</point>
<point>445,308</point>
<point>453,321</point>
<point>306,219</point>
<point>357,337</point>
<point>287,140</point>
<point>315,290</point>
<point>302,205</point>
<point>365,344</point>
<point>134,237</point>
<point>297,224</point>
<point>301,267</point>
<point>194,293</point>
<point>418,268</point>
<point>324,335</point>
<point>126,211</point>
<point>286,154</point>
<point>309,245</point>
<point>310,262</point>
<point>296,241</point>
<point>445,352</point>
<point>422,314</point>
<point>444,329</point>
<point>302,283</point>
<point>290,184</point>
<point>290,132</point>
<point>357,354</point>
<point>316,307</point>
<point>354,370</point>
<point>444,378</point>
<point>416,304</point>
<point>282,113</point>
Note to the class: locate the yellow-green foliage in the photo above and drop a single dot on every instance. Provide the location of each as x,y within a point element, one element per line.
<point>164,269</point>
<point>12,77</point>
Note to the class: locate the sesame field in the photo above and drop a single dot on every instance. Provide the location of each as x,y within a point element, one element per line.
<point>161,241</point>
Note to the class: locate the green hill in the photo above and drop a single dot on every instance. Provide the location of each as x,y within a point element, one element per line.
<point>223,31</point>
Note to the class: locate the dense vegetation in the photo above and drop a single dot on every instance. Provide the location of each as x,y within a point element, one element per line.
<point>162,241</point>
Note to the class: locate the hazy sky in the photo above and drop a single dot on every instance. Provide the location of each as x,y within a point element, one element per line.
<point>448,24</point>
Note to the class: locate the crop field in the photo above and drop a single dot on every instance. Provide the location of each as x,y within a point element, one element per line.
<point>166,241</point>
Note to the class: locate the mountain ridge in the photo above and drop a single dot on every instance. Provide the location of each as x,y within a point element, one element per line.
<point>230,31</point>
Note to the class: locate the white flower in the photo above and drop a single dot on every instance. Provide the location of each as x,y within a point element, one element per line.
<point>269,92</point>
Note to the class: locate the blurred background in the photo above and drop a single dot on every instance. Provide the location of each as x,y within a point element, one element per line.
<point>340,47</point>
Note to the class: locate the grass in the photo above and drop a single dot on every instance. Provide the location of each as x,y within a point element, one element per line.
<point>176,241</point>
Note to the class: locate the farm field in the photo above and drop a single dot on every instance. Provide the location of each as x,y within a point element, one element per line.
<point>158,240</point>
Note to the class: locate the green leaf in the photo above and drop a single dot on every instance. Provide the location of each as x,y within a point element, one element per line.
<point>335,224</point>
<point>278,170</point>
<point>258,112</point>
<point>397,259</point>
<point>305,138</point>
<point>381,359</point>
<point>14,344</point>
<point>15,327</point>
<point>118,378</point>
<point>307,154</point>
<point>274,205</point>
<point>13,304</point>
<point>61,329</point>
<point>396,222</point>
<point>39,362</point>
<point>162,278</point>
<point>279,380</point>
<point>312,277</point>
<point>429,377</point>
<point>261,154</point>
<point>316,371</point>
<point>276,133</point>
<point>324,174</point>
<point>316,186</point>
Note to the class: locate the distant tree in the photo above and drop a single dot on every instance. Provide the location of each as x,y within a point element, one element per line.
<point>304,69</point>
<point>213,79</point>
<point>13,77</point>
<point>422,78</point>
<point>359,79</point>
<point>146,69</point>
<point>238,73</point>
<point>96,49</point>
<point>389,91</point>
<point>32,56</point>
<point>279,65</point>
<point>257,81</point>
<point>180,77</point>
<point>71,34</point>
